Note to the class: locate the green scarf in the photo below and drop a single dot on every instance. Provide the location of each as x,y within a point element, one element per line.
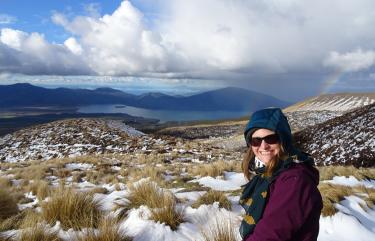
<point>255,194</point>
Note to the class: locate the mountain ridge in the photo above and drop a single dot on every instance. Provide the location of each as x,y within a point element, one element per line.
<point>229,98</point>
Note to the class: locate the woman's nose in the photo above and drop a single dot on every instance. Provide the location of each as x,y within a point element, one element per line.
<point>264,145</point>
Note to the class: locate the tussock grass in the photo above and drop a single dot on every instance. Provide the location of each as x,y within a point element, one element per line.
<point>220,230</point>
<point>184,182</point>
<point>38,233</point>
<point>141,193</point>
<point>39,188</point>
<point>213,196</point>
<point>36,171</point>
<point>8,205</point>
<point>161,203</point>
<point>168,213</point>
<point>73,209</point>
<point>13,222</point>
<point>33,229</point>
<point>328,172</point>
<point>5,182</point>
<point>101,190</point>
<point>214,169</point>
<point>108,230</point>
<point>332,194</point>
<point>154,173</point>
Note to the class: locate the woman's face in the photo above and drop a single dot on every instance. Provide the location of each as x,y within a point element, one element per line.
<point>264,151</point>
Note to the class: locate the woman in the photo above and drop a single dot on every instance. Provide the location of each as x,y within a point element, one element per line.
<point>282,201</point>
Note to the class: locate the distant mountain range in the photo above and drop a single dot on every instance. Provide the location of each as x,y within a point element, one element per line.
<point>230,98</point>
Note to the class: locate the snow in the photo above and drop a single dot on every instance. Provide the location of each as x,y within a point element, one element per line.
<point>79,166</point>
<point>232,181</point>
<point>351,181</point>
<point>342,227</point>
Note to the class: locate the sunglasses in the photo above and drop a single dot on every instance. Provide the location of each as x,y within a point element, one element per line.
<point>270,139</point>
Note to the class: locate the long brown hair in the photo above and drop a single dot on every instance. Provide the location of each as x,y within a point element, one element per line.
<point>250,157</point>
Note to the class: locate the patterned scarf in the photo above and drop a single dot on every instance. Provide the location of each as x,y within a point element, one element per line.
<point>255,194</point>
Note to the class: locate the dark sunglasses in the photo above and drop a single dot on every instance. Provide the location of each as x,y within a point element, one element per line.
<point>270,139</point>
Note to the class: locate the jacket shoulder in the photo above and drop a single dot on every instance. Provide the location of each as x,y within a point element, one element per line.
<point>300,172</point>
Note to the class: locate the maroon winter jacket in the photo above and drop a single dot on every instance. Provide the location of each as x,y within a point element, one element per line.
<point>293,208</point>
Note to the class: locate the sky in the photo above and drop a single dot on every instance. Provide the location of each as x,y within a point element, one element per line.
<point>291,49</point>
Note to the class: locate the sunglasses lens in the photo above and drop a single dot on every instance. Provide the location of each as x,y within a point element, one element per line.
<point>270,139</point>
<point>256,141</point>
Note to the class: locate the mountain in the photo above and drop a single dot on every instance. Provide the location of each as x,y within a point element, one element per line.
<point>230,99</point>
<point>345,140</point>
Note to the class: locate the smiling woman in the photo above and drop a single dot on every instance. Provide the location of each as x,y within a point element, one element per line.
<point>281,201</point>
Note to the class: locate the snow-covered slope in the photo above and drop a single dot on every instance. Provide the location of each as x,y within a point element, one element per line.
<point>66,138</point>
<point>321,108</point>
<point>334,102</point>
<point>345,140</point>
<point>76,137</point>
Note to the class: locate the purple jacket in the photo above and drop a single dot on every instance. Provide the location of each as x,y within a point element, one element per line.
<point>293,208</point>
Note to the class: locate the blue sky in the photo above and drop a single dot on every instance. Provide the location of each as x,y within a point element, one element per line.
<point>286,48</point>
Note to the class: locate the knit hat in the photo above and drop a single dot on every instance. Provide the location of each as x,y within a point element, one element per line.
<point>274,120</point>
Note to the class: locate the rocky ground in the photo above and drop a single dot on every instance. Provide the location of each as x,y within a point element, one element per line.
<point>344,140</point>
<point>77,137</point>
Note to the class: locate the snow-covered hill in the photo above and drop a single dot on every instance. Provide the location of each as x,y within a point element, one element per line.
<point>76,137</point>
<point>333,102</point>
<point>321,108</point>
<point>345,140</point>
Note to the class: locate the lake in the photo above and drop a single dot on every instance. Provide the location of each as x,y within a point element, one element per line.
<point>163,115</point>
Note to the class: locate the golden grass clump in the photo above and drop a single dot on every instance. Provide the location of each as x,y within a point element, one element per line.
<point>161,203</point>
<point>13,222</point>
<point>328,172</point>
<point>8,205</point>
<point>101,190</point>
<point>73,209</point>
<point>213,196</point>
<point>108,230</point>
<point>33,229</point>
<point>221,230</point>
<point>213,169</point>
<point>38,233</point>
<point>5,182</point>
<point>168,213</point>
<point>332,194</point>
<point>141,193</point>
<point>154,173</point>
<point>39,188</point>
<point>36,171</point>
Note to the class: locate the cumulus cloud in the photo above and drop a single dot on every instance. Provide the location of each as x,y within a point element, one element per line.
<point>32,54</point>
<point>213,39</point>
<point>352,61</point>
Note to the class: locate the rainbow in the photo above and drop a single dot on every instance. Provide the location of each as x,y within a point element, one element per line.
<point>331,80</point>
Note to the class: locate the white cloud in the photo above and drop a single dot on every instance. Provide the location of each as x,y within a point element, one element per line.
<point>207,39</point>
<point>32,54</point>
<point>352,61</point>
<point>72,44</point>
<point>7,19</point>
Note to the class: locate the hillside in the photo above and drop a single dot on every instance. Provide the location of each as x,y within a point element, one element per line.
<point>340,102</point>
<point>345,140</point>
<point>321,108</point>
<point>77,137</point>
<point>230,98</point>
